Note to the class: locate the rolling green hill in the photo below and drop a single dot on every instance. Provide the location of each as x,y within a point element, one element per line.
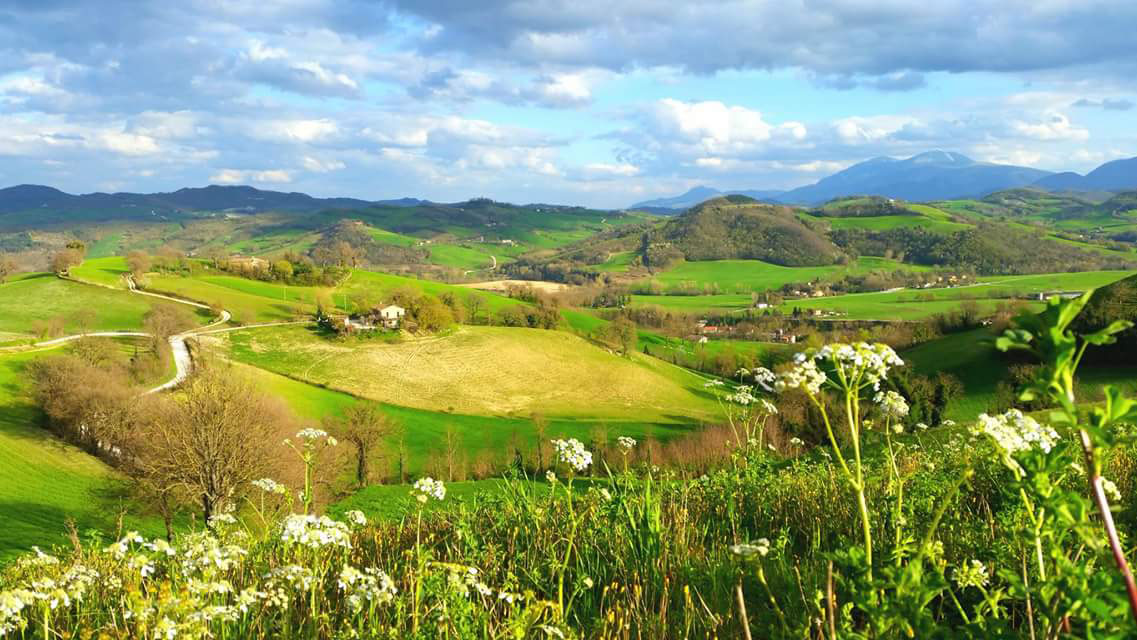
<point>736,227</point>
<point>489,371</point>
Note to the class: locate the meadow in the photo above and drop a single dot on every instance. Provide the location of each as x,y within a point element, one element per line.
<point>489,371</point>
<point>109,271</point>
<point>421,435</point>
<point>44,483</point>
<point>744,276</point>
<point>906,304</point>
<point>971,357</point>
<point>37,299</point>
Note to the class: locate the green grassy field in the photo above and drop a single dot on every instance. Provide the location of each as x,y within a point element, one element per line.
<point>422,433</point>
<point>884,223</point>
<point>618,262</point>
<point>37,298</point>
<point>43,482</point>
<point>489,371</point>
<point>248,300</point>
<point>907,304</point>
<point>107,245</point>
<point>971,356</point>
<point>744,276</point>
<point>377,285</point>
<point>107,271</point>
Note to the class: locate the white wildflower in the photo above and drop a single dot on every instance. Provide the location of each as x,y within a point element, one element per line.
<point>1110,489</point>
<point>427,488</point>
<point>892,405</point>
<point>626,444</point>
<point>311,434</point>
<point>759,548</point>
<point>572,453</point>
<point>1013,432</point>
<point>805,376</point>
<point>550,477</point>
<point>971,574</point>
<point>315,531</point>
<point>268,485</point>
<point>356,518</point>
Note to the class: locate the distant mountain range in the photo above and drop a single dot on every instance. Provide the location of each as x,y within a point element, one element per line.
<point>935,175</point>
<point>1111,176</point>
<point>27,198</point>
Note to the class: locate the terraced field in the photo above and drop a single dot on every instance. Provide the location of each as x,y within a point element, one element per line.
<point>489,371</point>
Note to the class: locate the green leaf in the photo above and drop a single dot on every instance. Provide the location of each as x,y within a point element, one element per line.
<point>1106,335</point>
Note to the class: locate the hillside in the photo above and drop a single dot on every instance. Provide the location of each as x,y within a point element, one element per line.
<point>1117,301</point>
<point>699,195</point>
<point>488,371</point>
<point>737,227</point>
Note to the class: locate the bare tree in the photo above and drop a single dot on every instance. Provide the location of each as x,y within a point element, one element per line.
<point>64,259</point>
<point>7,268</point>
<point>165,320</point>
<point>210,441</point>
<point>364,426</point>
<point>138,262</point>
<point>541,428</point>
<point>453,448</point>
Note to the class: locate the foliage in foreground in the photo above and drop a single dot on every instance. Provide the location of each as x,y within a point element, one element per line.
<point>893,530</point>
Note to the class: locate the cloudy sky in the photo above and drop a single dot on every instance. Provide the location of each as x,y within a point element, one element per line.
<point>596,102</point>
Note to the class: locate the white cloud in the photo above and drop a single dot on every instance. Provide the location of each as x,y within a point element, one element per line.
<point>321,166</point>
<point>241,176</point>
<point>859,130</point>
<point>297,130</point>
<point>611,170</point>
<point>1055,126</point>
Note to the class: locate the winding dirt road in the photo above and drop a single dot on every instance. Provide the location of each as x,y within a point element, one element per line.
<point>183,361</point>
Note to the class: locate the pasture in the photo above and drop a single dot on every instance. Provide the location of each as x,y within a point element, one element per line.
<point>744,276</point>
<point>32,303</point>
<point>489,371</point>
<point>972,357</point>
<point>108,271</point>
<point>905,304</point>
<point>422,434</point>
<point>45,482</point>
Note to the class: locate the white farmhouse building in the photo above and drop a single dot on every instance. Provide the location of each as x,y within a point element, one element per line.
<point>392,315</point>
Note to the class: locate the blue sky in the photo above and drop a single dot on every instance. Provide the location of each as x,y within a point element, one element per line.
<point>591,102</point>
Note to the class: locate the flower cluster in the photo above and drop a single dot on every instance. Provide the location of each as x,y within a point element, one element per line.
<point>805,376</point>
<point>892,405</point>
<point>764,378</point>
<point>572,453</point>
<point>367,587</point>
<point>626,444</point>
<point>860,363</point>
<point>1013,432</point>
<point>427,488</point>
<point>971,574</point>
<point>268,485</point>
<point>759,548</point>
<point>315,531</point>
<point>743,395</point>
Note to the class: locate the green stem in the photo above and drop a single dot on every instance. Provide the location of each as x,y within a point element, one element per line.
<point>773,600</point>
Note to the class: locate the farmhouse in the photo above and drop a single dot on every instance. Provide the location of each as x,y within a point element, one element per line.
<point>392,315</point>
